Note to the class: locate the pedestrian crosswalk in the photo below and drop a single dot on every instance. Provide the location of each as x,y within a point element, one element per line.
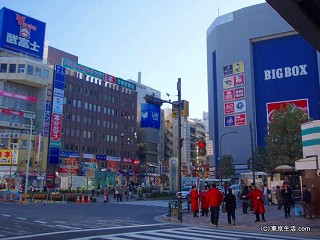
<point>155,203</point>
<point>190,233</point>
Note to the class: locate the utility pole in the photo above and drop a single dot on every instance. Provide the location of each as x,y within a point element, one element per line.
<point>252,154</point>
<point>179,151</point>
<point>157,101</point>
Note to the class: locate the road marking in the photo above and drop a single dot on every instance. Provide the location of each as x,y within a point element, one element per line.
<point>6,215</point>
<point>189,233</point>
<point>21,218</point>
<point>40,222</point>
<point>82,230</point>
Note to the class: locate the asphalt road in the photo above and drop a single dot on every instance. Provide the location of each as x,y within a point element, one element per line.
<point>114,221</point>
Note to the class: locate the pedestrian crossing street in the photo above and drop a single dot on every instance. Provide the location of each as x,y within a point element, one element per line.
<point>190,233</point>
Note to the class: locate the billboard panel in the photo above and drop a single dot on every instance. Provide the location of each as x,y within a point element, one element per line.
<point>150,116</point>
<point>22,34</point>
<point>285,69</point>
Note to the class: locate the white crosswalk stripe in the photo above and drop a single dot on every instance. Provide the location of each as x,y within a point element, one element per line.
<point>191,233</point>
<point>158,203</point>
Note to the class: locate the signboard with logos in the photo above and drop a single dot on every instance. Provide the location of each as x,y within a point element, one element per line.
<point>274,106</point>
<point>150,116</point>
<point>285,71</point>
<point>20,33</point>
<point>97,74</point>
<point>56,115</point>
<point>234,95</point>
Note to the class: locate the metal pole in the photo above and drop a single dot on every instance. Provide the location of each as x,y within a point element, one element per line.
<point>252,153</point>
<point>220,153</point>
<point>179,151</point>
<point>28,162</point>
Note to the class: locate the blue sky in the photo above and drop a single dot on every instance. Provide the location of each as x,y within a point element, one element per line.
<point>164,39</point>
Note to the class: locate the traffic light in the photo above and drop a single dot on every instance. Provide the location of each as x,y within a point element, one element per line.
<point>202,148</point>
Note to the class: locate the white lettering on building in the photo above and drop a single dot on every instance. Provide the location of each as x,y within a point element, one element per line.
<point>285,72</point>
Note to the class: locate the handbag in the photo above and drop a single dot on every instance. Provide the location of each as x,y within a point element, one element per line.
<point>223,207</point>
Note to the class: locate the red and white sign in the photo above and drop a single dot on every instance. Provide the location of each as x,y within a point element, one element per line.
<point>18,96</point>
<point>233,94</point>
<point>235,107</point>
<point>56,127</point>
<point>274,106</point>
<point>233,81</point>
<point>241,119</point>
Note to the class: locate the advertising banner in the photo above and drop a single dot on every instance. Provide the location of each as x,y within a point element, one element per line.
<point>274,106</point>
<point>233,94</point>
<point>56,115</point>
<point>22,34</point>
<point>285,70</point>
<point>150,116</point>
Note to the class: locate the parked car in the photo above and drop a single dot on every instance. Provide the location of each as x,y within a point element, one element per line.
<point>185,192</point>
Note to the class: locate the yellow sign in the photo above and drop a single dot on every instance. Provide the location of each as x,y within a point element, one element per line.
<point>5,157</point>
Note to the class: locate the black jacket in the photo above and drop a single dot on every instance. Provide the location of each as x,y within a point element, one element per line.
<point>286,196</point>
<point>230,200</point>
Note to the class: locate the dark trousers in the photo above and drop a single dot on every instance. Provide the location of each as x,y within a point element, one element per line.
<point>287,208</point>
<point>214,215</point>
<point>245,206</point>
<point>204,212</point>
<point>258,217</point>
<point>279,203</point>
<point>231,215</point>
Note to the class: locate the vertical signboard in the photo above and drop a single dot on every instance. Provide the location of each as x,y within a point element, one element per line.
<point>56,115</point>
<point>150,116</point>
<point>22,34</point>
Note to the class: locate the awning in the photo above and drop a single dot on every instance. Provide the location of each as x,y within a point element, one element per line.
<point>307,163</point>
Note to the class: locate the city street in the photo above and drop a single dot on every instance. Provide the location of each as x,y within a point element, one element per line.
<point>115,220</point>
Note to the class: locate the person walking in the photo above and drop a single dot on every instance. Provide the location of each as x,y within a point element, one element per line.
<point>306,201</point>
<point>265,194</point>
<point>105,194</point>
<point>286,196</point>
<point>214,198</point>
<point>256,197</point>
<point>194,199</point>
<point>204,203</point>
<point>278,197</point>
<point>231,205</point>
<point>245,202</point>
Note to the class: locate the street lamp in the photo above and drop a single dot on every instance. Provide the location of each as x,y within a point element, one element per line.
<point>220,152</point>
<point>29,152</point>
<point>10,158</point>
<point>252,153</point>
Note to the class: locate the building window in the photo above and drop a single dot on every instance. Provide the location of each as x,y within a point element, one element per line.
<point>3,67</point>
<point>37,72</point>
<point>78,118</point>
<point>30,70</point>
<point>85,120</point>
<point>74,103</point>
<point>79,103</point>
<point>12,68</point>
<point>45,74</point>
<point>85,105</point>
<point>84,134</point>
<point>77,132</point>
<point>21,68</point>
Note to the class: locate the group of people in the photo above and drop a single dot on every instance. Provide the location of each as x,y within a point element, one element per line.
<point>211,197</point>
<point>284,196</point>
<point>253,198</point>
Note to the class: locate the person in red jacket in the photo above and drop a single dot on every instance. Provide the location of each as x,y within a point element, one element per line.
<point>256,196</point>
<point>214,198</point>
<point>194,198</point>
<point>204,203</point>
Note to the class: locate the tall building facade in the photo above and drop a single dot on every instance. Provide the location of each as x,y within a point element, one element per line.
<point>150,150</point>
<point>24,82</point>
<point>256,64</point>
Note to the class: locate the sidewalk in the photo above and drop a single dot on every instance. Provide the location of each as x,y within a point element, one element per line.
<point>275,223</point>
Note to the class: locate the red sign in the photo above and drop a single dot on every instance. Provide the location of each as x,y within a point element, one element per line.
<point>233,94</point>
<point>56,127</point>
<point>241,119</point>
<point>229,108</point>
<point>274,106</point>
